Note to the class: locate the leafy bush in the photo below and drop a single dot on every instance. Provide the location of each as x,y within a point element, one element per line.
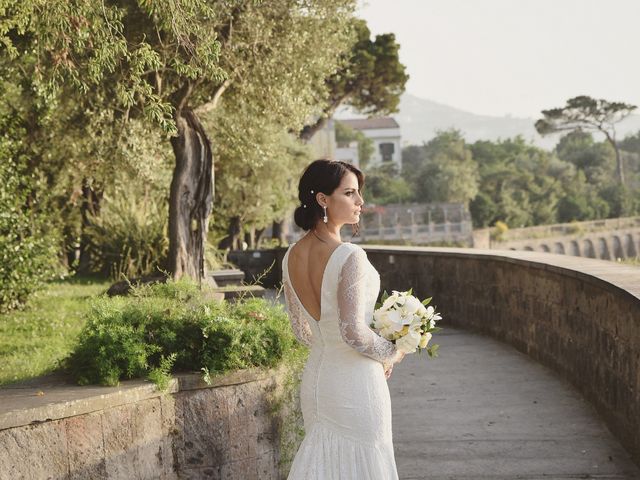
<point>28,251</point>
<point>499,231</point>
<point>129,238</point>
<point>175,326</point>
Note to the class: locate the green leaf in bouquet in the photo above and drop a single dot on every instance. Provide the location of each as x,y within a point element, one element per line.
<point>435,329</point>
<point>385,295</point>
<point>410,291</point>
<point>433,350</point>
<point>426,301</point>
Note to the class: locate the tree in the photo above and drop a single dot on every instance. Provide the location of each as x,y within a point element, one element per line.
<point>588,114</point>
<point>595,159</point>
<point>520,184</point>
<point>446,171</point>
<point>384,186</point>
<point>170,63</point>
<point>370,80</point>
<point>345,135</point>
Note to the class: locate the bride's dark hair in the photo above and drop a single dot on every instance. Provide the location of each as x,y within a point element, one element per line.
<point>321,176</point>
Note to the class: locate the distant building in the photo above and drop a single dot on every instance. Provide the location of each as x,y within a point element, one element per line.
<point>348,153</point>
<point>385,133</point>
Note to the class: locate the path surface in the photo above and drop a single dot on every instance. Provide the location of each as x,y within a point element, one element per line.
<point>482,410</point>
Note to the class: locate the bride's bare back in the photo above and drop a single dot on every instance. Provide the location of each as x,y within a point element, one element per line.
<point>307,264</point>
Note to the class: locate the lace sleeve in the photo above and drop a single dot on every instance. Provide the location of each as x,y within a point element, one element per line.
<point>299,323</point>
<point>351,311</point>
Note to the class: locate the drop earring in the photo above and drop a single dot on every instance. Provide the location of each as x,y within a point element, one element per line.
<point>325,219</point>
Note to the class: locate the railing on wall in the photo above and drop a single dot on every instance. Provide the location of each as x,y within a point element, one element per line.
<point>571,228</point>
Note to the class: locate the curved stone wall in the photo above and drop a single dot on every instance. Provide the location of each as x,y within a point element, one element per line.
<point>579,316</point>
<point>230,430</point>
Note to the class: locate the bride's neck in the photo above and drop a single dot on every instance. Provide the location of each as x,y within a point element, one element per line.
<point>328,231</point>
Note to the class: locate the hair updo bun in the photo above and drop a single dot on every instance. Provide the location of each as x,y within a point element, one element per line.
<point>320,176</point>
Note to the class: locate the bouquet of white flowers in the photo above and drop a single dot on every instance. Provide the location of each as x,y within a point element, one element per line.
<point>407,322</point>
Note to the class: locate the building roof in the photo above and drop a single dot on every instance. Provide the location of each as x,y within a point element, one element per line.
<point>371,123</point>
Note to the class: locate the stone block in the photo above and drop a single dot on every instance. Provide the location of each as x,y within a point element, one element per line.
<point>241,470</point>
<point>202,473</point>
<point>268,467</point>
<point>121,453</point>
<point>205,423</point>
<point>34,452</point>
<point>149,439</point>
<point>86,447</point>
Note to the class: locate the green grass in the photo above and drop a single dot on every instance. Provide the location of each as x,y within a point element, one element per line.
<point>34,340</point>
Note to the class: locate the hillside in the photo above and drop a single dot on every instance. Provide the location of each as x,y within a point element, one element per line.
<point>419,120</point>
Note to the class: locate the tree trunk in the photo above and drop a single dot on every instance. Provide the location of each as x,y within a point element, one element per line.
<point>277,232</point>
<point>619,165</point>
<point>232,240</point>
<point>250,238</point>
<point>309,131</point>
<point>259,235</point>
<point>191,198</point>
<point>90,207</point>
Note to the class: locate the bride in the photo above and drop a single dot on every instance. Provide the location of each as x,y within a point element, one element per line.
<point>330,291</point>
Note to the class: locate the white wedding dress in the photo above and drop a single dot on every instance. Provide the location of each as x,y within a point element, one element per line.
<point>344,394</point>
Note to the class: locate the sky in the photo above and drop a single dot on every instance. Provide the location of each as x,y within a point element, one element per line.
<point>514,57</point>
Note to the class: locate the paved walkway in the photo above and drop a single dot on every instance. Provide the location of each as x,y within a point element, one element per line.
<point>482,410</point>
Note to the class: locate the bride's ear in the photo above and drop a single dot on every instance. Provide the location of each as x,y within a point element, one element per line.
<point>321,198</point>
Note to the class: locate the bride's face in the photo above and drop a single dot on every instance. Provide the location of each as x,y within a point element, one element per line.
<point>345,203</point>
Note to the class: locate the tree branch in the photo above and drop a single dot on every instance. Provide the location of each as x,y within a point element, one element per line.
<point>310,130</point>
<point>213,103</point>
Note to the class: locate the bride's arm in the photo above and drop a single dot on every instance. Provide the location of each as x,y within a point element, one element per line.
<point>351,312</point>
<point>299,323</point>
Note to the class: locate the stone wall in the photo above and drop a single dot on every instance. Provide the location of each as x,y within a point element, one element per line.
<point>579,316</point>
<point>230,430</point>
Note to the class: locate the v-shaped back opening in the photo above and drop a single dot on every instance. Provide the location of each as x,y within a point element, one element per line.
<point>324,273</point>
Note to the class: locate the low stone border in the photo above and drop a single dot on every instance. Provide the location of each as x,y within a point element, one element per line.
<point>227,430</point>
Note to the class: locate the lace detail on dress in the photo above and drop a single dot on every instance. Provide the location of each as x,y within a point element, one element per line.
<point>297,316</point>
<point>354,328</point>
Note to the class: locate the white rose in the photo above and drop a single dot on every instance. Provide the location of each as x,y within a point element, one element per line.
<point>379,316</point>
<point>412,304</point>
<point>387,323</point>
<point>389,302</point>
<point>409,342</point>
<point>395,317</point>
<point>416,324</point>
<point>401,297</point>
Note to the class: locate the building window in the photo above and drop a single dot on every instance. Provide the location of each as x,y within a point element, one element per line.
<point>386,151</point>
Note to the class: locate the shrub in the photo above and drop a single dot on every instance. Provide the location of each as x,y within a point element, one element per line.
<point>174,326</point>
<point>28,250</point>
<point>129,238</point>
<point>499,231</point>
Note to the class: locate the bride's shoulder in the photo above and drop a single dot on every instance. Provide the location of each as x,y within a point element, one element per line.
<point>352,251</point>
